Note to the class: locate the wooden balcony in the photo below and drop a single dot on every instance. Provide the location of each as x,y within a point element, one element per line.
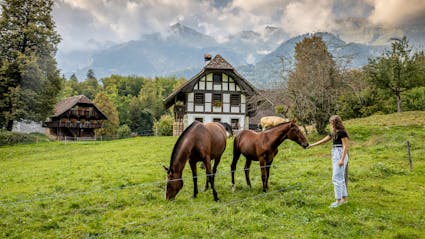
<point>73,125</point>
<point>82,114</point>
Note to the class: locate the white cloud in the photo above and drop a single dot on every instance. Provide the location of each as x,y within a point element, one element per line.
<point>308,16</point>
<point>396,12</point>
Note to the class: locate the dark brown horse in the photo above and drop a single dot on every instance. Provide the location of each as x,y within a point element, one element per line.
<point>198,143</point>
<point>262,147</point>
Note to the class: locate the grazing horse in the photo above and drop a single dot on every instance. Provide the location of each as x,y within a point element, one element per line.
<point>228,128</point>
<point>198,142</point>
<point>270,121</point>
<point>262,146</point>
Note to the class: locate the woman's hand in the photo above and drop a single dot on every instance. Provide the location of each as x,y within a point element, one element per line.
<point>341,163</point>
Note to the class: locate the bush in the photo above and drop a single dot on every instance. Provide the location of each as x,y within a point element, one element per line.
<point>10,138</point>
<point>164,127</point>
<point>124,131</point>
<point>414,99</point>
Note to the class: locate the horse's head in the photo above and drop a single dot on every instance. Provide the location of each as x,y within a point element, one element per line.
<point>228,128</point>
<point>295,134</point>
<point>174,184</point>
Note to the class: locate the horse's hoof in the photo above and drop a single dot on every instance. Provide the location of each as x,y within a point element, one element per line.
<point>233,188</point>
<point>216,199</point>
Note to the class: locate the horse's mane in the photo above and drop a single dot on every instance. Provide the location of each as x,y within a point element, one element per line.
<point>178,143</point>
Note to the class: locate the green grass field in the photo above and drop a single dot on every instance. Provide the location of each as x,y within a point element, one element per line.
<point>115,189</point>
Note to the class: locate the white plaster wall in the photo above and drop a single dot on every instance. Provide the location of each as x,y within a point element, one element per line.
<point>243,121</point>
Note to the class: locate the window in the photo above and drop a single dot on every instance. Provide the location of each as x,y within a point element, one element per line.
<point>200,119</point>
<point>199,99</point>
<point>235,123</point>
<point>235,100</point>
<point>216,120</point>
<point>217,78</point>
<point>216,100</point>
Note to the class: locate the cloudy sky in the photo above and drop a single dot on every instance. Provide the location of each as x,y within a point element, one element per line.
<point>89,23</point>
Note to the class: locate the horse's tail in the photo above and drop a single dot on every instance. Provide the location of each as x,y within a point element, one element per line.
<point>236,155</point>
<point>236,145</point>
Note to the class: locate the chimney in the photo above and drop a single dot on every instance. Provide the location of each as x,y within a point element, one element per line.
<point>207,58</point>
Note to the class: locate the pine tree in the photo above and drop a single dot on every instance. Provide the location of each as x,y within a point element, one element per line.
<point>29,78</point>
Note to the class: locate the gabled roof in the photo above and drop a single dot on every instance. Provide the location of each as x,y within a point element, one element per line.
<point>218,63</point>
<point>66,104</point>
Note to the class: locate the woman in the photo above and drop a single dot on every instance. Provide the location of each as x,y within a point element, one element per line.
<point>339,136</point>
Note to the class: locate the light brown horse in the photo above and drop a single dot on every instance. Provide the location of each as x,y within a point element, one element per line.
<point>270,121</point>
<point>198,143</point>
<point>262,147</point>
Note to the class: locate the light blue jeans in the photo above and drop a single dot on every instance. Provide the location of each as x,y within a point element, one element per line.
<point>338,173</point>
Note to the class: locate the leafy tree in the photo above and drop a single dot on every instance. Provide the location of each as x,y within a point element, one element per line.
<point>126,85</point>
<point>151,96</point>
<point>394,71</point>
<point>141,121</point>
<point>419,61</point>
<point>179,83</point>
<point>312,88</point>
<point>110,126</point>
<point>70,87</point>
<point>90,87</point>
<point>356,97</point>
<point>29,78</point>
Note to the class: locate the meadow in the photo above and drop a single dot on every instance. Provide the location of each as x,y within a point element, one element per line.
<point>115,189</point>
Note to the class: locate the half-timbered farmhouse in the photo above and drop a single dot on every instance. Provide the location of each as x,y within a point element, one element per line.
<point>217,93</point>
<point>75,117</point>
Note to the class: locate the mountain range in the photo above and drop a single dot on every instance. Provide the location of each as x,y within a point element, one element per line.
<point>259,57</point>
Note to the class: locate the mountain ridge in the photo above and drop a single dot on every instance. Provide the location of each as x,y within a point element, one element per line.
<point>257,56</point>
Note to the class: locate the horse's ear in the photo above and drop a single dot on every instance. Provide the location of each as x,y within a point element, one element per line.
<point>294,120</point>
<point>166,169</point>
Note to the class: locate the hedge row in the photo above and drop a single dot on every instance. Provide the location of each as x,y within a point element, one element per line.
<point>10,138</point>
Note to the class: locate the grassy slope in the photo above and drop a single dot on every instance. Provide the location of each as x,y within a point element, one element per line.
<point>115,189</point>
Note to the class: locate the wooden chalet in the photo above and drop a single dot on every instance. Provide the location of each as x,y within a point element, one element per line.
<point>75,117</point>
<point>217,93</point>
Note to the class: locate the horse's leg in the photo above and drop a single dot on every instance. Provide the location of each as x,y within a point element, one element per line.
<point>195,178</point>
<point>210,176</point>
<point>246,169</point>
<point>236,155</point>
<point>263,166</point>
<point>268,166</point>
<point>206,182</point>
<point>216,162</point>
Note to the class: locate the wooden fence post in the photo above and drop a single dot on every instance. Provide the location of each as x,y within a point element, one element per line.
<point>410,156</point>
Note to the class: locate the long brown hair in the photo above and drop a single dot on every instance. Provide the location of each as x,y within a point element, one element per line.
<point>337,124</point>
